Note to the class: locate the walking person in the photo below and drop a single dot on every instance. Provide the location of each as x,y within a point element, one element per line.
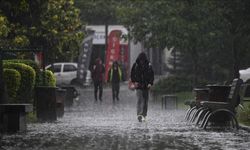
<point>142,76</point>
<point>115,76</point>
<point>98,78</point>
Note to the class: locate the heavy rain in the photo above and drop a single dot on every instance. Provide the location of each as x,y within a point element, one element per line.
<point>90,125</point>
<point>124,75</point>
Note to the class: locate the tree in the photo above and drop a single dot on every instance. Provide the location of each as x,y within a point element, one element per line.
<point>98,12</point>
<point>235,15</point>
<point>4,29</point>
<point>61,29</point>
<point>52,24</point>
<point>201,30</point>
<point>178,24</point>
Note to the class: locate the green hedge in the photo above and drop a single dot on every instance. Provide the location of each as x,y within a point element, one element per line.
<point>30,63</point>
<point>24,94</point>
<point>50,79</point>
<point>172,84</point>
<point>12,80</point>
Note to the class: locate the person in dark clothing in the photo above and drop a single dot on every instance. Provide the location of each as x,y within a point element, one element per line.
<point>142,75</point>
<point>98,78</point>
<point>115,76</point>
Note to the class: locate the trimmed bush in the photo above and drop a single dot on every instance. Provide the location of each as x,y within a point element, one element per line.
<point>30,63</point>
<point>24,94</point>
<point>50,79</point>
<point>172,84</point>
<point>12,80</point>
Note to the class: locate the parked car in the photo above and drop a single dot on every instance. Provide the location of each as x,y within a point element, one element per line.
<point>245,74</point>
<point>66,73</point>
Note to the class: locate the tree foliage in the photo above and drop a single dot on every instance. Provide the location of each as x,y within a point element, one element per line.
<point>210,35</point>
<point>61,28</point>
<point>53,24</point>
<point>98,12</point>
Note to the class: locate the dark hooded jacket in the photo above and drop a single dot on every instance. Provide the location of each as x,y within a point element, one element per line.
<point>98,72</point>
<point>142,72</point>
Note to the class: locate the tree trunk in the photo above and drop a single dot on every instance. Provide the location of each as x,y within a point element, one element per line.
<point>195,65</point>
<point>236,60</point>
<point>1,80</point>
<point>3,91</point>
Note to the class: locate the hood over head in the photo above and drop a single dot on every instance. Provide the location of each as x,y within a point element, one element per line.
<point>142,58</point>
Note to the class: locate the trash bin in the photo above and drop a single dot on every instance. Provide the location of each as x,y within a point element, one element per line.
<point>45,100</point>
<point>169,101</point>
<point>70,95</point>
<point>60,99</point>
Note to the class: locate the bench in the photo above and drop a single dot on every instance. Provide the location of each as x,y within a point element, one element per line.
<point>221,111</point>
<point>218,108</point>
<point>13,117</point>
<point>246,92</point>
<point>201,94</point>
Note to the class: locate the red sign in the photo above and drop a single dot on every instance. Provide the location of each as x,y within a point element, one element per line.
<point>113,51</point>
<point>124,59</point>
<point>39,58</point>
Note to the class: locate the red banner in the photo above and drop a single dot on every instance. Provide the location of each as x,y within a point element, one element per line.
<point>124,60</point>
<point>39,59</point>
<point>113,51</point>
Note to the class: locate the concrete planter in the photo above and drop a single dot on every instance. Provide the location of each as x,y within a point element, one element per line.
<point>13,117</point>
<point>45,100</point>
<point>70,95</point>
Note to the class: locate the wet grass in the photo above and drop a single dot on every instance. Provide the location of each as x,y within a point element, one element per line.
<point>244,114</point>
<point>31,117</point>
<point>182,97</point>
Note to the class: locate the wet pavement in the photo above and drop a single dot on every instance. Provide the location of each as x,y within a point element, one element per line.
<point>100,126</point>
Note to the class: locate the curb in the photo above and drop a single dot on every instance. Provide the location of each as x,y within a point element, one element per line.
<point>244,127</point>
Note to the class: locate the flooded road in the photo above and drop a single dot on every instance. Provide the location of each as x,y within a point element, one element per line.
<point>100,126</point>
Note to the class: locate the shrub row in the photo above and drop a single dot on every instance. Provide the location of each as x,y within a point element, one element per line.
<point>12,79</point>
<point>30,63</point>
<point>50,79</point>
<point>24,93</point>
<point>172,84</point>
<point>21,76</point>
